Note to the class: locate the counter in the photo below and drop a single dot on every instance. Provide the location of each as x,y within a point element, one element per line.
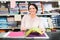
<point>5,36</point>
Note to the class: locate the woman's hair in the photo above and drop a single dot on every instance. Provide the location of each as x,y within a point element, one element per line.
<point>34,6</point>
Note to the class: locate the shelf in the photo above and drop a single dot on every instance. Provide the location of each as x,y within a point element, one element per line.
<point>44,14</point>
<point>8,14</point>
<point>56,8</point>
<point>17,17</point>
<point>4,0</point>
<point>34,0</point>
<point>37,0</point>
<point>3,14</point>
<point>11,28</point>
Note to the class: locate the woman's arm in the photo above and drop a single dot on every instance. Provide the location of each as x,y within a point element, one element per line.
<point>23,24</point>
<point>41,26</point>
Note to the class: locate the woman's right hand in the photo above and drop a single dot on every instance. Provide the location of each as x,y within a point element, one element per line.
<point>23,29</point>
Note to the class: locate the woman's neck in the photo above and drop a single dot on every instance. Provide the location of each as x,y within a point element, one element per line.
<point>33,15</point>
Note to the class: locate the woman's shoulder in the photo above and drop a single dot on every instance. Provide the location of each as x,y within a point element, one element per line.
<point>38,18</point>
<point>25,16</point>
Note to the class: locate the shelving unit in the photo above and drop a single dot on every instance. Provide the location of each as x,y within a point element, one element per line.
<point>21,9</point>
<point>11,19</point>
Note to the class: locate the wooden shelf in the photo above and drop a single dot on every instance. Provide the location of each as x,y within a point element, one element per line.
<point>11,28</point>
<point>44,14</point>
<point>8,14</point>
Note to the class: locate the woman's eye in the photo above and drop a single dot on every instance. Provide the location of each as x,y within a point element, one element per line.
<point>29,8</point>
<point>33,8</point>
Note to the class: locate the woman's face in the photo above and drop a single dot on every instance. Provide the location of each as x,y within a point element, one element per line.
<point>32,9</point>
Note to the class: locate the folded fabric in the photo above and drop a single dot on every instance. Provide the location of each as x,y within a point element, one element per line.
<point>3,26</point>
<point>12,24</point>
<point>35,34</point>
<point>16,34</point>
<point>34,29</point>
<point>14,11</point>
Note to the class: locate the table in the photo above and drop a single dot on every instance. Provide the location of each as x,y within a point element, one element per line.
<point>5,36</point>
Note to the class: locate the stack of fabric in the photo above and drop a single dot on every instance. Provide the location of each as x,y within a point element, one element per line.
<point>3,22</point>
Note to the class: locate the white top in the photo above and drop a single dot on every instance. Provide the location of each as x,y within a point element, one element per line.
<point>29,22</point>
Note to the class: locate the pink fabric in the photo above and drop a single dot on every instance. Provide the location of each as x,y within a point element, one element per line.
<point>13,4</point>
<point>16,34</point>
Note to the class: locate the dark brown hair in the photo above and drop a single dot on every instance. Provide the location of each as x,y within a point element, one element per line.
<point>34,6</point>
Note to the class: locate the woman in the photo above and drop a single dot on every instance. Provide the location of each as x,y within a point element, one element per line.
<point>31,20</point>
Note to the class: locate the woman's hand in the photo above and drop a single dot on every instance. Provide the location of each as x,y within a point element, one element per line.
<point>23,29</point>
<point>39,30</point>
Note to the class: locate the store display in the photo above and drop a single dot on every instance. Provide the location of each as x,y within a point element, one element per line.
<point>1,31</point>
<point>22,35</point>
<point>35,34</point>
<point>4,8</point>
<point>23,8</point>
<point>11,21</point>
<point>32,30</point>
<point>3,22</point>
<point>14,11</point>
<point>20,8</point>
<point>16,34</point>
<point>10,18</point>
<point>17,17</point>
<point>44,21</point>
<point>13,4</point>
<point>12,24</point>
<point>56,21</point>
